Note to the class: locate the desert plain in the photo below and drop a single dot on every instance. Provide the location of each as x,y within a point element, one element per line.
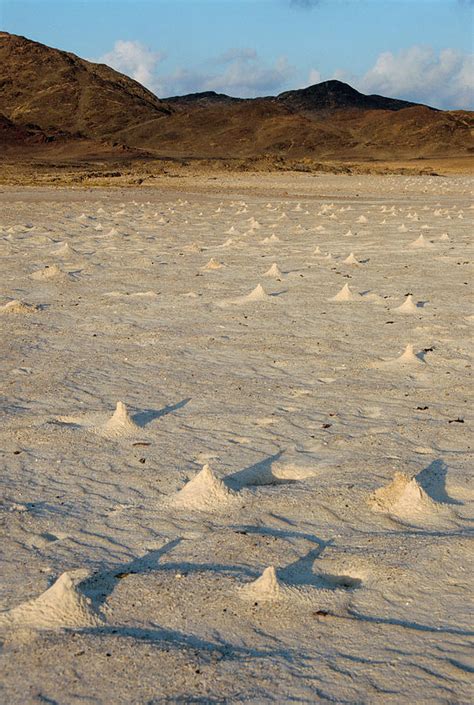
<point>236,426</point>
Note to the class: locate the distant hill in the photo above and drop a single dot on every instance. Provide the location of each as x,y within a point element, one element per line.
<point>47,94</point>
<point>333,95</point>
<point>57,90</point>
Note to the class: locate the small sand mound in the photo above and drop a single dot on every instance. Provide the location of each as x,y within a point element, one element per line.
<point>349,233</point>
<point>258,294</point>
<point>212,264</point>
<point>193,247</point>
<point>419,243</point>
<point>120,424</point>
<point>408,357</point>
<point>61,606</point>
<point>17,306</point>
<point>64,250</point>
<point>408,306</point>
<point>351,259</point>
<point>403,497</point>
<point>362,219</point>
<point>48,273</point>
<point>444,237</point>
<point>204,492</point>
<point>272,238</point>
<point>145,294</point>
<point>330,594</point>
<point>274,272</point>
<point>266,587</point>
<point>345,294</point>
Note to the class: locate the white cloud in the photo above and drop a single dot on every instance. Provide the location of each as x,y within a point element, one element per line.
<point>238,72</point>
<point>247,75</point>
<point>444,80</point>
<point>314,77</point>
<point>136,60</point>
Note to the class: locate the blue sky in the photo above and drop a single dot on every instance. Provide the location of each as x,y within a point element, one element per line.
<point>415,49</point>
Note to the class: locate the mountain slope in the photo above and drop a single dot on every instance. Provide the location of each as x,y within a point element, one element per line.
<point>57,92</point>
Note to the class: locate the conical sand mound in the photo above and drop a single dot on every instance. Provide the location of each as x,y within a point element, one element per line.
<point>204,492</point>
<point>274,272</point>
<point>419,243</point>
<point>345,294</point>
<point>64,250</point>
<point>272,238</point>
<point>408,357</point>
<point>351,259</point>
<point>61,606</point>
<point>265,588</point>
<point>120,424</point>
<point>403,497</point>
<point>213,264</point>
<point>407,306</point>
<point>18,307</point>
<point>258,294</point>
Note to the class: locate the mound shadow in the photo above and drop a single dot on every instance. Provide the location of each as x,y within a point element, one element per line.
<point>433,480</point>
<point>146,416</point>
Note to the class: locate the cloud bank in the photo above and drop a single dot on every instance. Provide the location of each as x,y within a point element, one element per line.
<point>443,79</point>
<point>238,72</point>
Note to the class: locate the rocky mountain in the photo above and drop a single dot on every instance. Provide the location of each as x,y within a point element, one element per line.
<point>45,92</point>
<point>334,95</point>
<point>54,89</point>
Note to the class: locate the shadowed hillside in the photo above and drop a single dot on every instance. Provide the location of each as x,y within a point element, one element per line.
<point>48,95</point>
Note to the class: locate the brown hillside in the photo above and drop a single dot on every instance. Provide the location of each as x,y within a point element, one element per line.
<point>57,90</point>
<point>58,93</point>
